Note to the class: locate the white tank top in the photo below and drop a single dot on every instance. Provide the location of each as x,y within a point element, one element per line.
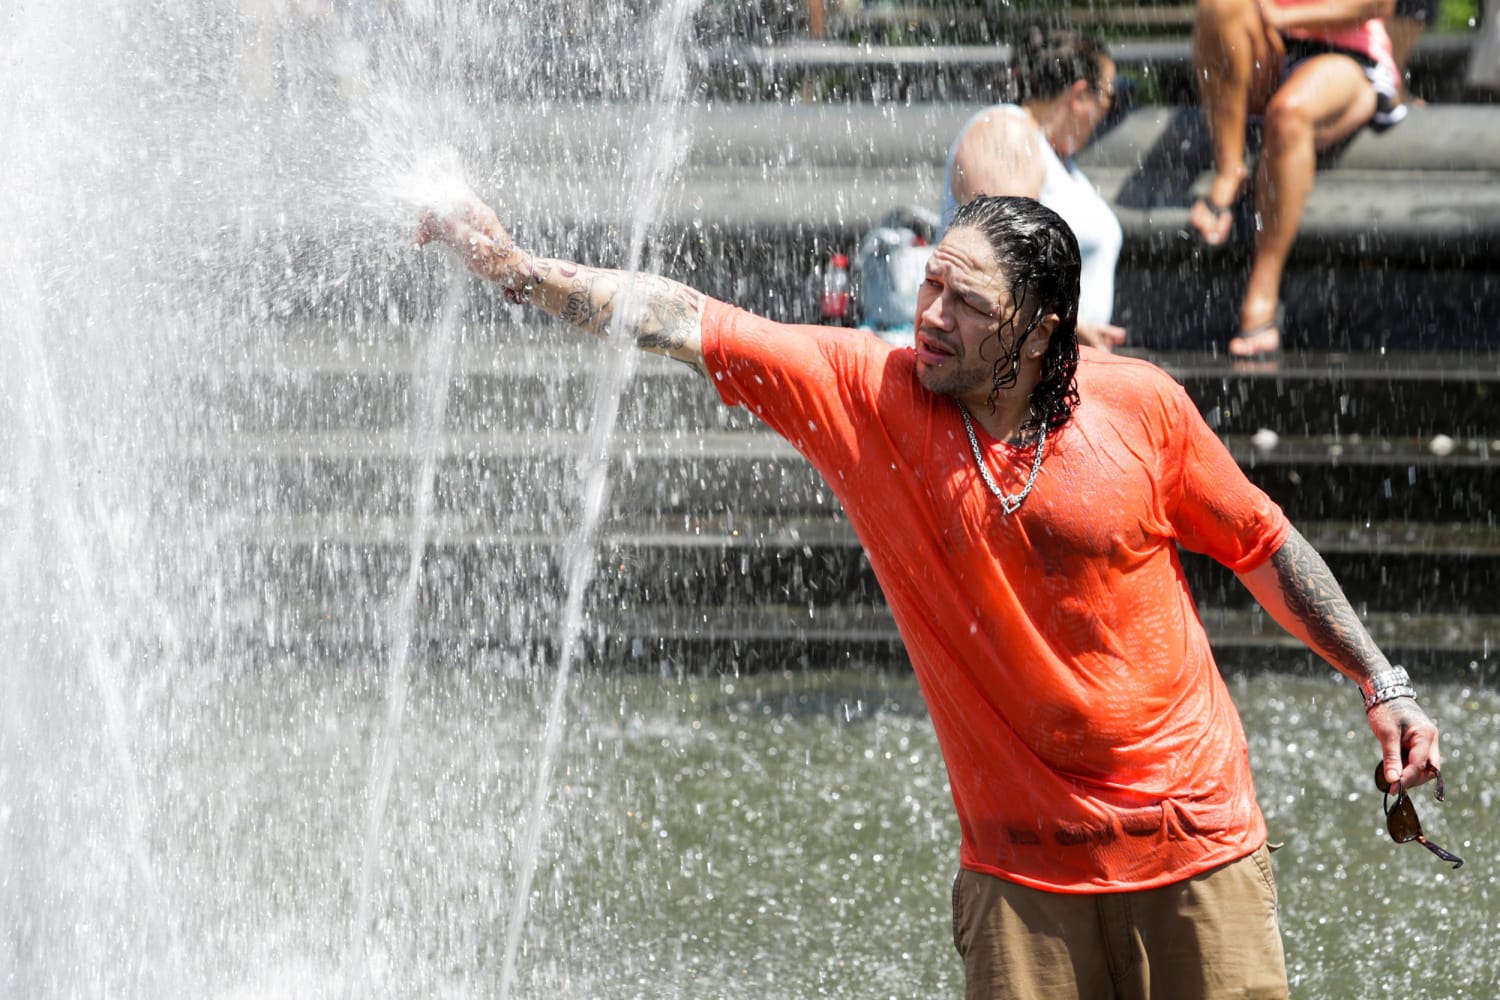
<point>1073,196</point>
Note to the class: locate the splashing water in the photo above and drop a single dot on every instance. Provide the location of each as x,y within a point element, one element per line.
<point>432,398</point>
<point>85,610</point>
<point>204,195</point>
<point>432,182</point>
<point>649,171</point>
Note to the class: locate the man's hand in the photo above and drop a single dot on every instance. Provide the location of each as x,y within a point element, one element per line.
<point>1408,742</point>
<point>1297,588</point>
<point>472,217</point>
<point>475,232</point>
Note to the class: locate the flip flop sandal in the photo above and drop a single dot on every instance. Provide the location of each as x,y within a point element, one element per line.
<point>1217,211</point>
<point>1274,323</point>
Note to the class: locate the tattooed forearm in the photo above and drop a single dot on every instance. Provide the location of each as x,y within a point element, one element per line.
<point>670,315</point>
<point>584,310</point>
<point>1317,603</point>
<point>579,296</point>
<point>661,315</point>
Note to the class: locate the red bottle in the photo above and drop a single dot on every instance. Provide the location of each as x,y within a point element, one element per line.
<point>836,300</point>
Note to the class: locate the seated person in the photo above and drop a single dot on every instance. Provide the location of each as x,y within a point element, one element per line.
<point>1065,83</point>
<point>1319,71</point>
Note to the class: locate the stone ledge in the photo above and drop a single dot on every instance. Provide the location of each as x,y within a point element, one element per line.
<point>1158,54</point>
<point>753,446</point>
<point>1428,188</point>
<point>771,531</point>
<point>1437,641</point>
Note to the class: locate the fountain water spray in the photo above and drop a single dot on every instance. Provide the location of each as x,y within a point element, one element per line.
<point>431,393</point>
<point>650,170</point>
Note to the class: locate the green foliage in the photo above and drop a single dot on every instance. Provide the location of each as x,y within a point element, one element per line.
<point>1457,15</point>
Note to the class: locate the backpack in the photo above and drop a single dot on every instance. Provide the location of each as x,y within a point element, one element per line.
<point>889,267</point>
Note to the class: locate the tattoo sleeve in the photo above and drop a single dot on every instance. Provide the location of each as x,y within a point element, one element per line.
<point>663,316</point>
<point>1322,614</point>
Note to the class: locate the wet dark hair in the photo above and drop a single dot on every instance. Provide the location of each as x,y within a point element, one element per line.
<point>1038,254</point>
<point>1046,62</point>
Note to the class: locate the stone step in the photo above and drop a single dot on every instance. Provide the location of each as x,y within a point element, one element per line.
<point>713,561</point>
<point>1397,634</point>
<point>648,635</point>
<point>1157,55</point>
<point>839,168</point>
<point>779,530</point>
<point>995,16</point>
<point>1396,250</point>
<point>309,384</point>
<point>361,473</point>
<point>1379,196</point>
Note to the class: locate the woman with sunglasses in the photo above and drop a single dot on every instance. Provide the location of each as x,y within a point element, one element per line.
<point>1065,81</point>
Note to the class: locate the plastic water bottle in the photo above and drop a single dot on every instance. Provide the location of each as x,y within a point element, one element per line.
<point>836,298</point>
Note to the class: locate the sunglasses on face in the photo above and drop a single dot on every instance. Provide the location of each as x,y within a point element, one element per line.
<point>1401,816</point>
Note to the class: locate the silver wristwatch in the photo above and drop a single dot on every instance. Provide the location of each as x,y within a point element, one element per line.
<point>1385,685</point>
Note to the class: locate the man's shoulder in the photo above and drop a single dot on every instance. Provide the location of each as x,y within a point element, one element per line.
<point>1129,392</point>
<point>1123,373</point>
<point>732,335</point>
<point>730,327</point>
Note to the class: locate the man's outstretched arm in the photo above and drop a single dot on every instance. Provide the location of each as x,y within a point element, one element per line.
<point>663,316</point>
<point>1297,588</point>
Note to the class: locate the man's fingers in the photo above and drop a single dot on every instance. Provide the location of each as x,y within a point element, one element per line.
<point>457,233</point>
<point>1392,761</point>
<point>1424,761</point>
<point>433,227</point>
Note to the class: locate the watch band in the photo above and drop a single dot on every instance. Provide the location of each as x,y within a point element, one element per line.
<point>1385,685</point>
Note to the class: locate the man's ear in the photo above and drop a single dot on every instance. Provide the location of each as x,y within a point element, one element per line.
<point>1078,90</point>
<point>1041,337</point>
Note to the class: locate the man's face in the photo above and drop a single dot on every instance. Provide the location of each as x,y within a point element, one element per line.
<point>960,307</point>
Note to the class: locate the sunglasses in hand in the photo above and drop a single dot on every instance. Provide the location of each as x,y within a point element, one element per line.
<point>1401,816</point>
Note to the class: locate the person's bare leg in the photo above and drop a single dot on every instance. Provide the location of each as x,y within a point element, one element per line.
<point>1325,101</point>
<point>1404,32</point>
<point>1235,64</point>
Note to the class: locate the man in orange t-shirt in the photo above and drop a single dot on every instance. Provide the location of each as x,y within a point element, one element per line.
<point>1023,507</point>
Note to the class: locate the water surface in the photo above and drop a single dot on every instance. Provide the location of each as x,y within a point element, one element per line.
<point>780,835</point>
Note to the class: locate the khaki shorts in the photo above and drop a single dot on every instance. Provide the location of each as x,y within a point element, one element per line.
<point>1214,935</point>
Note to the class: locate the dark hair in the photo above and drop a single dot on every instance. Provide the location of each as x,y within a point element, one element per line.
<point>1044,62</point>
<point>1037,252</point>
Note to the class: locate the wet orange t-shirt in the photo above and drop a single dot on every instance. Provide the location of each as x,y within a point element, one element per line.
<point>1090,741</point>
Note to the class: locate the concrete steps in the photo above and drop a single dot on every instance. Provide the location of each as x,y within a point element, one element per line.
<point>720,543</point>
<point>1398,250</point>
<point>1156,53</point>
<point>668,591</point>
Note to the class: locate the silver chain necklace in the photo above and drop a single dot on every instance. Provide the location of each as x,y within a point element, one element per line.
<point>1009,504</point>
